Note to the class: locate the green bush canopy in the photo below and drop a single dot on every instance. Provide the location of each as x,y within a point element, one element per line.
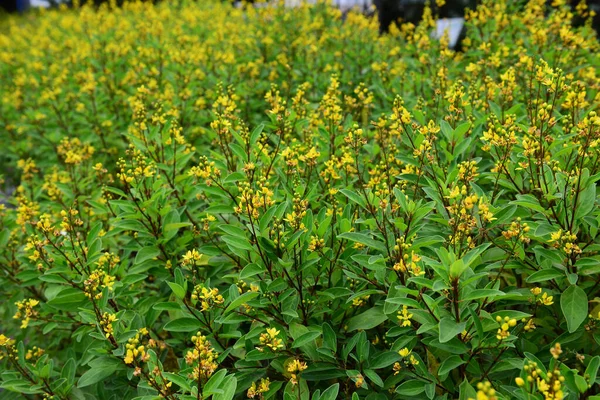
<point>203,202</point>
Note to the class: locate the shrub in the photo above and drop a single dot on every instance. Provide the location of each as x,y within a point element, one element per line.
<point>272,203</point>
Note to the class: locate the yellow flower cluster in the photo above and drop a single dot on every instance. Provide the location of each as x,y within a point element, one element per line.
<point>205,170</point>
<point>298,212</point>
<point>547,384</point>
<point>134,350</point>
<point>258,390</point>
<point>74,152</point>
<point>408,359</point>
<point>404,316</point>
<point>28,168</point>
<point>467,171</point>
<point>485,391</point>
<point>330,108</point>
<point>7,347</point>
<point>517,230</point>
<point>34,354</point>
<point>38,253</point>
<point>25,311</point>
<point>96,282</point>
<point>505,325</point>
<point>202,357</point>
<point>502,136</point>
<point>543,299</point>
<point>108,260</point>
<point>295,367</point>
<point>106,323</point>
<point>529,324</point>
<point>461,210</point>
<point>316,243</point>
<point>207,297</point>
<point>408,263</point>
<point>360,301</point>
<point>565,241</point>
<point>271,340</point>
<point>53,180</point>
<point>192,258</point>
<point>70,220</point>
<point>135,168</point>
<point>253,200</point>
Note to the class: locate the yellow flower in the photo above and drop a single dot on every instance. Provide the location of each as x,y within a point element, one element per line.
<point>271,340</point>
<point>404,352</point>
<point>295,367</point>
<point>192,258</point>
<point>405,316</point>
<point>536,291</point>
<point>546,300</point>
<point>5,341</point>
<point>519,381</point>
<point>25,311</point>
<point>556,351</point>
<point>129,357</point>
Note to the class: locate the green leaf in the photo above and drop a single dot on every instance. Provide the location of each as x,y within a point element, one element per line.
<point>246,297</point>
<point>214,382</point>
<point>49,327</point>
<point>530,202</point>
<point>185,324</point>
<point>372,375</point>
<point>430,390</point>
<point>384,360</point>
<point>481,293</point>
<point>413,387</point>
<point>229,386</point>
<point>355,197</point>
<point>536,360</point>
<point>251,270</point>
<point>130,225</point>
<point>544,275</point>
<point>68,371</point>
<point>574,305</point>
<point>363,238</point>
<point>167,306</point>
<point>305,338</point>
<point>592,369</point>
<point>460,131</point>
<point>477,321</point>
<point>94,375</point>
<point>367,320</point>
<point>582,384</point>
<point>178,290</point>
<point>299,391</point>
<point>329,337</point>
<point>68,300</point>
<point>146,253</point>
<point>220,209</point>
<point>404,301</point>
<point>234,177</point>
<point>457,268</point>
<point>466,391</point>
<point>331,392</point>
<point>587,201</point>
<point>237,243</point>
<point>175,226</point>
<point>178,380</point>
<point>101,368</point>
<point>449,329</point>
<point>449,364</point>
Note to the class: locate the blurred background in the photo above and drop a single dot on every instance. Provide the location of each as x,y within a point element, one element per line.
<point>451,13</point>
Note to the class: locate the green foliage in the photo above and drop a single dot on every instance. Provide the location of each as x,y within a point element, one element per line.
<point>273,203</point>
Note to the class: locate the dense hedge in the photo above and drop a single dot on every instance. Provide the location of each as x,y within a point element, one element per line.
<point>270,203</point>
